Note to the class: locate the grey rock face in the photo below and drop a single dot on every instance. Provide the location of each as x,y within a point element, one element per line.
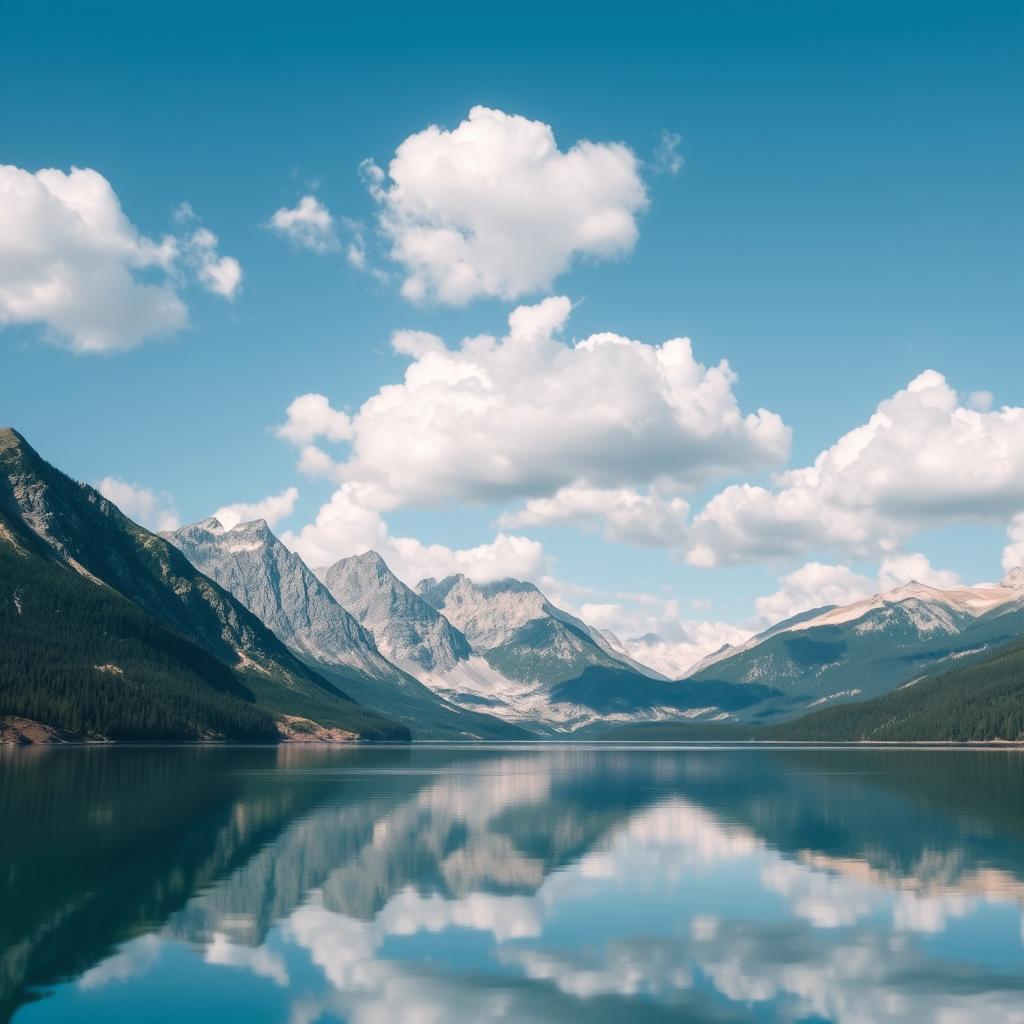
<point>276,586</point>
<point>493,614</point>
<point>488,614</point>
<point>406,628</point>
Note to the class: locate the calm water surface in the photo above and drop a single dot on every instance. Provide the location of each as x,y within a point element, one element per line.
<point>549,883</point>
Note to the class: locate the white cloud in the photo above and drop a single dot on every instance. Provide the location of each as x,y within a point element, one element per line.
<point>315,462</point>
<point>922,460</point>
<point>658,637</point>
<point>132,960</point>
<point>145,507</point>
<point>815,585</point>
<point>347,526</point>
<point>620,513</point>
<point>505,556</point>
<point>71,261</point>
<point>260,961</point>
<point>1013,553</point>
<point>271,509</point>
<point>355,252</point>
<point>527,415</point>
<point>310,417</point>
<point>416,344</point>
<point>896,570</point>
<point>495,208</point>
<point>221,275</point>
<point>667,158</point>
<point>308,225</point>
<point>650,629</point>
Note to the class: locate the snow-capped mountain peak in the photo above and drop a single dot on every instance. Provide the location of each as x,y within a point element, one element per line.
<point>969,601</point>
<point>872,645</point>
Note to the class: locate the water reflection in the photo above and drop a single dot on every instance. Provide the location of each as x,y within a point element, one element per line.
<point>532,884</point>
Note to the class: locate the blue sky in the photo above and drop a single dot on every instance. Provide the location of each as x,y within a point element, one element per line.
<point>848,216</point>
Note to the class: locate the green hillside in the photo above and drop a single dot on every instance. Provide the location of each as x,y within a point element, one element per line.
<point>79,656</point>
<point>980,702</point>
<point>984,701</point>
<point>106,628</point>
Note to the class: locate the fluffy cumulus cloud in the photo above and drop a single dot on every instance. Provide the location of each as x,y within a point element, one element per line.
<point>528,416</point>
<point>656,633</point>
<point>620,513</point>
<point>221,275</point>
<point>816,585</point>
<point>310,417</point>
<point>655,630</point>
<point>495,208</point>
<point>140,504</point>
<point>1013,553</point>
<point>813,585</point>
<point>897,570</point>
<point>923,459</point>
<point>347,525</point>
<point>72,262</point>
<point>309,225</point>
<point>271,509</point>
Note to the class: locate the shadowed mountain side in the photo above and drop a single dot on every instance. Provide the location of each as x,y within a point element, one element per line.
<point>980,702</point>
<point>615,691</point>
<point>154,827</point>
<point>84,658</point>
<point>866,649</point>
<point>426,715</point>
<point>46,516</point>
<point>172,821</point>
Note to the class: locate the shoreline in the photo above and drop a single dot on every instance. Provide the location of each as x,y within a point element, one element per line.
<point>693,744</point>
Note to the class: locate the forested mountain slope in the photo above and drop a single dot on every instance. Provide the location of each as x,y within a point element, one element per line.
<point>981,702</point>
<point>119,617</point>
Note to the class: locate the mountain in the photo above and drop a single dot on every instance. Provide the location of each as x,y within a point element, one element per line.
<point>534,663</point>
<point>409,631</point>
<point>109,630</point>
<point>982,702</point>
<point>277,586</point>
<point>491,615</point>
<point>870,647</point>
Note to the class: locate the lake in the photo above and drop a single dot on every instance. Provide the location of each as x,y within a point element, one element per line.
<point>514,883</point>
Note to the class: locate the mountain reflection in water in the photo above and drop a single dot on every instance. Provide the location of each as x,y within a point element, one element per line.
<point>528,883</point>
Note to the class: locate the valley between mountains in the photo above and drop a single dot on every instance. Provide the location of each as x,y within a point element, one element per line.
<point>111,632</point>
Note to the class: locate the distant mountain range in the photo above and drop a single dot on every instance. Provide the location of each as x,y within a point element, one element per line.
<point>275,584</point>
<point>850,653</point>
<point>108,630</point>
<point>978,703</point>
<point>450,659</point>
